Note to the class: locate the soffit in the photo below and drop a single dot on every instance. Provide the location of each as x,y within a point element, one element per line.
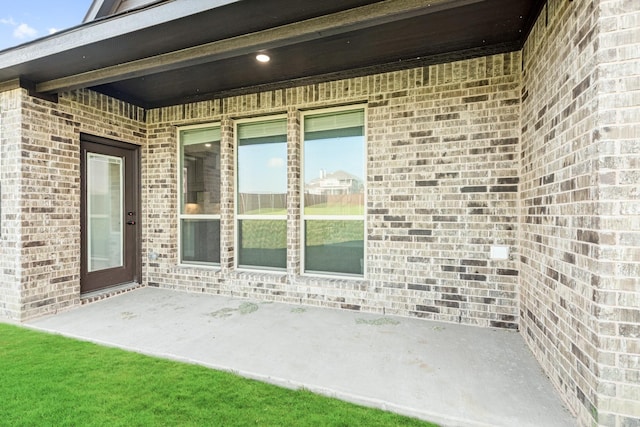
<point>459,29</point>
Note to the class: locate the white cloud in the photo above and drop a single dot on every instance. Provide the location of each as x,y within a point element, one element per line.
<point>276,162</point>
<point>24,31</point>
<point>53,30</point>
<point>8,21</point>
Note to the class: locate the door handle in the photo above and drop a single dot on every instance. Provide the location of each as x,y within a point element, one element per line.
<point>131,223</point>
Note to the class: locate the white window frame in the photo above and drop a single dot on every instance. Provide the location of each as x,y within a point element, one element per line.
<point>304,217</point>
<point>181,216</point>
<point>237,217</point>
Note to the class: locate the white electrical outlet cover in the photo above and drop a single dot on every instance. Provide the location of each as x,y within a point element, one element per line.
<point>499,252</point>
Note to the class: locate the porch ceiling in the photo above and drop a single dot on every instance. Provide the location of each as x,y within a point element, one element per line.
<point>155,56</point>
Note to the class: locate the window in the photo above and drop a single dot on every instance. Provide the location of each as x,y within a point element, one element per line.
<point>199,195</point>
<point>261,200</point>
<point>333,218</point>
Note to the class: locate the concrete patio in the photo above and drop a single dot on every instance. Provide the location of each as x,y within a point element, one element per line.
<point>446,373</point>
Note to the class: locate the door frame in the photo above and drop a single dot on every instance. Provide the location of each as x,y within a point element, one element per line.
<point>135,185</point>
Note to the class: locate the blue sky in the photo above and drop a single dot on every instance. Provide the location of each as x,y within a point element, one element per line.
<point>24,20</point>
<point>333,155</point>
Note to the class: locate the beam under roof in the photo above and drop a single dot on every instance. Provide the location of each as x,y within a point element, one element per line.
<point>337,23</point>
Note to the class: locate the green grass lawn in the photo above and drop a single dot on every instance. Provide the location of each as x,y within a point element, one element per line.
<point>49,380</point>
<point>325,209</point>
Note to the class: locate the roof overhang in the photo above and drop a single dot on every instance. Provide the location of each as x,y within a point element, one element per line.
<point>173,52</point>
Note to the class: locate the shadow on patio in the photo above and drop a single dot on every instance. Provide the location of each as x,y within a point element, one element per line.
<point>446,373</point>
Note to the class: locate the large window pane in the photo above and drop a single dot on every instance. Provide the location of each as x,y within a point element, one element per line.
<point>200,173</point>
<point>201,241</point>
<point>334,164</point>
<point>262,194</point>
<point>262,168</point>
<point>334,246</point>
<point>334,192</point>
<point>200,195</point>
<point>262,243</point>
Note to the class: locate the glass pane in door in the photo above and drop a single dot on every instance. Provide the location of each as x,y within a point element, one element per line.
<point>104,211</point>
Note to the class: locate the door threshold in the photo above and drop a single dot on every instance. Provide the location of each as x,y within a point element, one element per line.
<point>101,294</point>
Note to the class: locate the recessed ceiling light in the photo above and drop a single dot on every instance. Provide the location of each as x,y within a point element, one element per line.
<point>207,145</point>
<point>261,57</point>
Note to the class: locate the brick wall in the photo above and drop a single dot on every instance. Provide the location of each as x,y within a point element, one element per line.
<point>579,197</point>
<point>10,215</point>
<point>559,198</point>
<point>618,290</point>
<point>41,192</point>
<point>442,188</point>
